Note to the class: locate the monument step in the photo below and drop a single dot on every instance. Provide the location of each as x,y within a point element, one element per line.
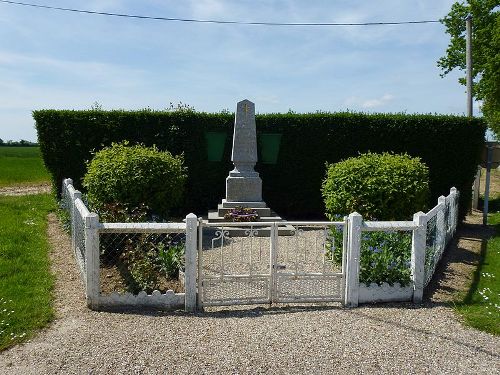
<point>233,204</point>
<point>215,217</point>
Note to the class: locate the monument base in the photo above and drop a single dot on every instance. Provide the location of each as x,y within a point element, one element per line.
<point>243,189</point>
<point>266,215</point>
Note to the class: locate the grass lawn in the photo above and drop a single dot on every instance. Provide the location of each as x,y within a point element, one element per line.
<point>25,280</point>
<point>480,308</point>
<point>22,166</point>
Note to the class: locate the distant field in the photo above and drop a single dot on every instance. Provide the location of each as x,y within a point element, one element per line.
<point>22,166</point>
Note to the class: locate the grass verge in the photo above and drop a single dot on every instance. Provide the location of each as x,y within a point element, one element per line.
<point>480,308</point>
<point>22,166</point>
<point>25,280</point>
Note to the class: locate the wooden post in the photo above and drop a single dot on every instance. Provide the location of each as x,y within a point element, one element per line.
<point>190,264</point>
<point>92,263</point>
<point>487,185</point>
<point>353,255</point>
<point>418,255</point>
<point>477,186</point>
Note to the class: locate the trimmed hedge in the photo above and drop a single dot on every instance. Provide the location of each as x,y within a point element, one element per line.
<point>133,176</point>
<point>378,186</point>
<point>448,145</point>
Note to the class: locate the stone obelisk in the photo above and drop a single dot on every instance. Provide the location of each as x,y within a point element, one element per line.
<point>243,185</point>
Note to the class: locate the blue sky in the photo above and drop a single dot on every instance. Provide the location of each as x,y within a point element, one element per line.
<point>61,60</point>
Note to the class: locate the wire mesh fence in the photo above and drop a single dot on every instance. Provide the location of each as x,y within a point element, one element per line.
<point>441,227</point>
<point>74,214</point>
<point>143,263</point>
<point>433,248</point>
<point>135,262</point>
<point>79,237</point>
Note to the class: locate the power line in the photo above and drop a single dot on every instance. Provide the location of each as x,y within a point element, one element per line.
<point>217,21</point>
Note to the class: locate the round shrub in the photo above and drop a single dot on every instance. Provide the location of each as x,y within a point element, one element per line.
<point>378,186</point>
<point>134,177</point>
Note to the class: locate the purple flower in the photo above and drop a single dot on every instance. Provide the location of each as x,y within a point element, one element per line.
<point>376,250</point>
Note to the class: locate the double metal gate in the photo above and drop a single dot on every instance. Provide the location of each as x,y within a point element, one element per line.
<point>259,263</point>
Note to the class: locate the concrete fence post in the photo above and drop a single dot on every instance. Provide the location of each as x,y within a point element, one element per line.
<point>454,197</point>
<point>66,182</point>
<point>441,224</point>
<point>92,262</point>
<point>76,195</point>
<point>190,262</point>
<point>355,222</point>
<point>419,238</point>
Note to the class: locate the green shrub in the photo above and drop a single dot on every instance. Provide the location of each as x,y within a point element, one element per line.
<point>171,259</point>
<point>133,176</point>
<point>378,186</point>
<point>449,145</point>
<point>385,257</point>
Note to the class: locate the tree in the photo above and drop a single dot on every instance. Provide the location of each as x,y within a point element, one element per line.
<point>485,52</point>
<point>1,142</point>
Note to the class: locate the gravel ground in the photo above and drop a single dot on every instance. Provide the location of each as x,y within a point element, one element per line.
<point>389,339</point>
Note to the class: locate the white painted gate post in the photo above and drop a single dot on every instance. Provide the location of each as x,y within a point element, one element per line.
<point>190,262</point>
<point>353,259</point>
<point>418,245</point>
<point>273,262</point>
<point>92,264</point>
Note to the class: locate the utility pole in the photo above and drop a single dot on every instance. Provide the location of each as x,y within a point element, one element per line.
<point>468,61</point>
<point>468,53</point>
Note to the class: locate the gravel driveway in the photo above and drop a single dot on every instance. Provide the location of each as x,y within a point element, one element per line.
<point>397,339</point>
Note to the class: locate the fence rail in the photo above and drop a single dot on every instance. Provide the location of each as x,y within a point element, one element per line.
<point>375,261</point>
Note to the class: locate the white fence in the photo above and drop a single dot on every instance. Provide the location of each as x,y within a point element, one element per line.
<point>356,261</point>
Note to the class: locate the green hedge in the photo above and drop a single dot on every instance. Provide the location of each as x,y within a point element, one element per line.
<point>378,186</point>
<point>449,145</point>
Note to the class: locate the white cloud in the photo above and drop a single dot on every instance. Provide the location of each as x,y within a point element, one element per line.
<point>355,102</point>
<point>208,9</point>
<point>377,102</point>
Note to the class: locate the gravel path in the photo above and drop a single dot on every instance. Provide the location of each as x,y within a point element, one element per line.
<point>389,339</point>
<point>25,190</point>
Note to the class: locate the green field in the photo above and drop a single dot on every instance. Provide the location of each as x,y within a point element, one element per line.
<point>25,280</point>
<point>480,308</point>
<point>22,166</point>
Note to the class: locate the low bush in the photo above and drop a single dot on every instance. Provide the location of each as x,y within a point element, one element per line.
<point>378,186</point>
<point>148,262</point>
<point>123,179</point>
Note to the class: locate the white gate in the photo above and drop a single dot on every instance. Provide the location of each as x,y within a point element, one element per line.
<point>258,263</point>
